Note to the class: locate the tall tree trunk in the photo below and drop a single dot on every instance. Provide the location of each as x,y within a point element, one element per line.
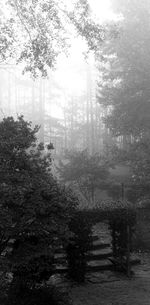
<point>16,96</point>
<point>41,110</point>
<point>33,113</point>
<point>9,92</point>
<point>65,123</point>
<point>88,113</point>
<point>1,95</point>
<point>72,124</point>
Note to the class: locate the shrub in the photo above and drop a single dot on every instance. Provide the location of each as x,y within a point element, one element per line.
<point>34,210</point>
<point>37,296</point>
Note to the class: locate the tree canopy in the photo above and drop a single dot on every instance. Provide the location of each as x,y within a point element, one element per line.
<point>36,32</point>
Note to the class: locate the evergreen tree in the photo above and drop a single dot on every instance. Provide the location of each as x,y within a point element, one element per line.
<point>124,88</point>
<point>34,209</point>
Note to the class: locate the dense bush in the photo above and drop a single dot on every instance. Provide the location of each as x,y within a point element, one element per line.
<point>34,210</point>
<point>37,296</point>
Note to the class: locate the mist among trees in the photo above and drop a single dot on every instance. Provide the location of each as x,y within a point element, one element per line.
<point>74,123</point>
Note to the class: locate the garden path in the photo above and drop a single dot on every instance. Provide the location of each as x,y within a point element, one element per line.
<point>109,288</point>
<point>115,289</point>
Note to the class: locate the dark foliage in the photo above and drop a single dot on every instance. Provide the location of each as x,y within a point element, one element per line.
<point>39,296</point>
<point>122,226</point>
<point>34,210</point>
<point>79,246</point>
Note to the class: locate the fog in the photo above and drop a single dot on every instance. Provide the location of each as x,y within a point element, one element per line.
<point>75,137</point>
<point>63,104</point>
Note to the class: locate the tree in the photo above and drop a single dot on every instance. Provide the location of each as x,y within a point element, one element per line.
<point>89,172</point>
<point>36,32</point>
<point>126,73</point>
<point>125,86</point>
<point>34,209</point>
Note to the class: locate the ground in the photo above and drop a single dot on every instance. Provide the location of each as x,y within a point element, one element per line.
<point>110,288</point>
<point>114,289</point>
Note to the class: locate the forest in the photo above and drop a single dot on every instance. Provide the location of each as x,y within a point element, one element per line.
<point>74,128</point>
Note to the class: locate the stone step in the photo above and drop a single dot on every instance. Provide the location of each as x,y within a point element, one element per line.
<point>133,262</point>
<point>92,257</point>
<point>95,237</point>
<point>100,268</point>
<point>100,246</point>
<point>62,270</point>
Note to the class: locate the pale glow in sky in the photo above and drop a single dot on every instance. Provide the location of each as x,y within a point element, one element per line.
<point>102,10</point>
<point>71,71</point>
